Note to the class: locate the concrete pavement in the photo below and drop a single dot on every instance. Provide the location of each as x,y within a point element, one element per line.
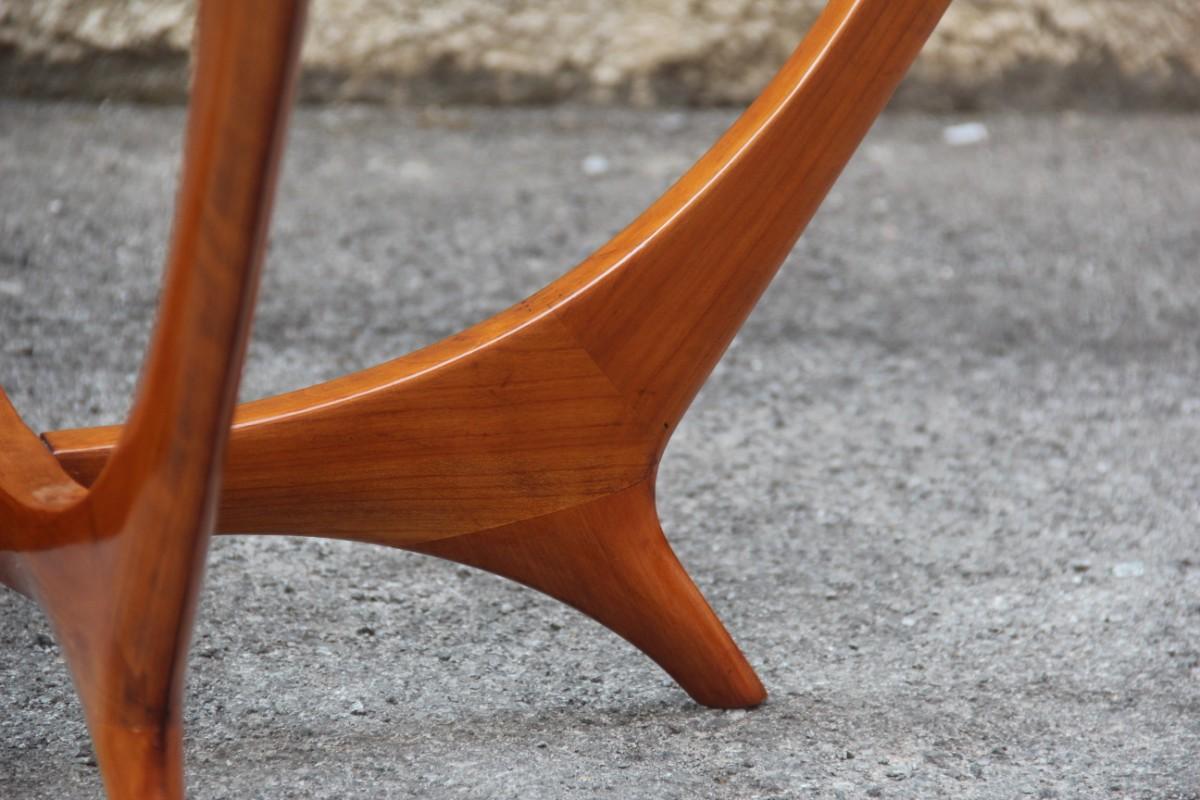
<point>943,489</point>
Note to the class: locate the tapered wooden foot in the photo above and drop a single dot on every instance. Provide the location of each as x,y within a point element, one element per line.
<point>122,613</point>
<point>140,763</point>
<point>610,560</point>
<point>138,739</point>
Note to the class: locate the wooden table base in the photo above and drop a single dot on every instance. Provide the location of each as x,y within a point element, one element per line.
<point>527,445</point>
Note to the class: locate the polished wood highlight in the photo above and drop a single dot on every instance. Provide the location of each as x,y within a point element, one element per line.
<point>527,445</point>
<point>117,567</point>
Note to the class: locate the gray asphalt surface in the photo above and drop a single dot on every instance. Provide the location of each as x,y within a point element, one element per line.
<point>944,488</point>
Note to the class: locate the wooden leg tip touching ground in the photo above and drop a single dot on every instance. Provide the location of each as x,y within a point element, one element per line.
<point>140,763</point>
<point>610,560</point>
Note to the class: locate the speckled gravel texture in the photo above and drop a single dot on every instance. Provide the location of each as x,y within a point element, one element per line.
<point>943,489</point>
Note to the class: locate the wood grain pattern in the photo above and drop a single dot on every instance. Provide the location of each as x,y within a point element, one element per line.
<point>117,568</point>
<point>527,445</point>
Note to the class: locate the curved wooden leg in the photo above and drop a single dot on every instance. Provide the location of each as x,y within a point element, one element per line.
<point>610,560</point>
<point>118,568</point>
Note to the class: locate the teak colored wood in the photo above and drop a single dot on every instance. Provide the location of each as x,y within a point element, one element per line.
<point>526,445</point>
<point>117,568</point>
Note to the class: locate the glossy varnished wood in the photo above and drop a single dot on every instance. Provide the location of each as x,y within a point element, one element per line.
<point>117,568</point>
<point>527,445</point>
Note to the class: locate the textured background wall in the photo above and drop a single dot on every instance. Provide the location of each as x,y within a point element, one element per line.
<point>987,53</point>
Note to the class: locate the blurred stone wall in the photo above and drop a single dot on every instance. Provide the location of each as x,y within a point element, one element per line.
<point>986,53</point>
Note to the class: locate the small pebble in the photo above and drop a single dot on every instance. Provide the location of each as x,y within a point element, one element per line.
<point>594,164</point>
<point>1129,569</point>
<point>965,134</point>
